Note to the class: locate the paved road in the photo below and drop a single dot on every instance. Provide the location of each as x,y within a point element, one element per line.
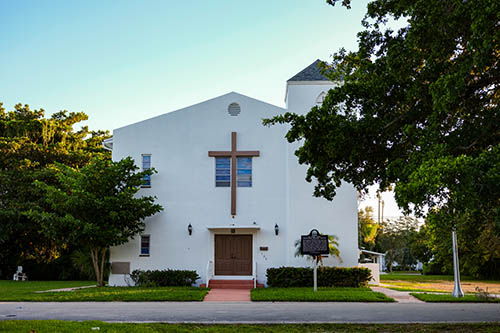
<point>258,312</point>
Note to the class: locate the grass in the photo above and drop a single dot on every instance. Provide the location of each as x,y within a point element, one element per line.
<point>25,291</point>
<point>41,326</point>
<point>417,289</point>
<point>322,295</point>
<point>447,298</point>
<point>427,278</point>
<point>415,277</point>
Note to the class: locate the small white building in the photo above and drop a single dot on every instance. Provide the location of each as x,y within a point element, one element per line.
<point>235,198</point>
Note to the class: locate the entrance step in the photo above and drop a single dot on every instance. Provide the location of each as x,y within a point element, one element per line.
<point>232,284</point>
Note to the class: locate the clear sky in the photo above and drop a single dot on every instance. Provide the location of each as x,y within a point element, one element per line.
<point>123,61</point>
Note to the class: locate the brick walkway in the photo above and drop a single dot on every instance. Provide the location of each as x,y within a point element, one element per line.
<point>228,295</point>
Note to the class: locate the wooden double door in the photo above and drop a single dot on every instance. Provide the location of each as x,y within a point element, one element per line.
<point>233,254</point>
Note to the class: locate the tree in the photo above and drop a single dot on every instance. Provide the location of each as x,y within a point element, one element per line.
<point>28,143</point>
<point>367,229</point>
<point>395,240</point>
<point>418,108</point>
<point>479,244</point>
<point>95,207</point>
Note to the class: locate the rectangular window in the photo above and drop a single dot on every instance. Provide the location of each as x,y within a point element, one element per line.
<point>145,245</point>
<point>146,165</point>
<point>222,171</point>
<point>244,172</point>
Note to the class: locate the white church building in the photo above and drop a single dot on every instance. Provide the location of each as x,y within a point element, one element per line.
<point>235,198</point>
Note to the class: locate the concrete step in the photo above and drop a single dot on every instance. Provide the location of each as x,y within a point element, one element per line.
<point>232,284</point>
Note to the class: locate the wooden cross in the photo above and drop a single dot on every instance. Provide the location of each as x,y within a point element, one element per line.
<point>233,154</point>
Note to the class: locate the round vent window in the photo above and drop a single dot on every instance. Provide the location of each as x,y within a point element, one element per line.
<point>234,109</point>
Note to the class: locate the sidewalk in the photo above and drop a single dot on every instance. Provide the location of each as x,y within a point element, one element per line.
<point>64,289</point>
<point>399,296</point>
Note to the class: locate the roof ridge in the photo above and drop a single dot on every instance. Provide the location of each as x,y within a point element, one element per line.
<point>310,73</point>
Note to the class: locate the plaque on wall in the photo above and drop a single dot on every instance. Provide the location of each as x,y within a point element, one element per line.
<point>314,244</point>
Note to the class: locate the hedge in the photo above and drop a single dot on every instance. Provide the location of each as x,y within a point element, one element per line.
<point>327,277</point>
<point>163,278</point>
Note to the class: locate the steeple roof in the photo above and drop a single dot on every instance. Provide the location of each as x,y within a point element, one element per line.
<point>310,73</point>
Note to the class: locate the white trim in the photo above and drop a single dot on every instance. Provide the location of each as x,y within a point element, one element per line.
<point>309,83</point>
<point>108,144</point>
<point>228,227</point>
<point>371,252</point>
<point>254,251</point>
<point>232,277</point>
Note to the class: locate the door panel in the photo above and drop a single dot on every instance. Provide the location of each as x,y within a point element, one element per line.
<point>233,254</point>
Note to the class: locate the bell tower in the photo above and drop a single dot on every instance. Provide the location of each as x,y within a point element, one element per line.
<point>307,89</point>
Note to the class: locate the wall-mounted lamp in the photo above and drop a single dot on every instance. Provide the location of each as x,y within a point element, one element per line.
<point>190,229</point>
<point>276,229</point>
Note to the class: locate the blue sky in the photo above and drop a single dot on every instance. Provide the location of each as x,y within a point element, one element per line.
<point>125,61</point>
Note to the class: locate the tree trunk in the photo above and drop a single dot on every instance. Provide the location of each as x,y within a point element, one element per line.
<point>98,256</point>
<point>103,258</point>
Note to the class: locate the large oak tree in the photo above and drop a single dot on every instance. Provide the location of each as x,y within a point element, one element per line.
<point>29,142</point>
<point>418,108</point>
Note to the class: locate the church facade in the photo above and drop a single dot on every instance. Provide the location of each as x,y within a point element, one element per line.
<point>235,198</point>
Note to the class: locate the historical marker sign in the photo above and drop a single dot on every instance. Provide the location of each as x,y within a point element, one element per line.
<point>314,244</point>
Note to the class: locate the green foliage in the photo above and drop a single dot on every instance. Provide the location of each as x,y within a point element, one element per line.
<point>367,229</point>
<point>285,277</point>
<point>418,108</point>
<point>396,240</point>
<point>82,261</point>
<point>29,142</point>
<point>95,207</point>
<point>321,295</point>
<point>61,268</point>
<point>164,278</point>
<point>478,240</point>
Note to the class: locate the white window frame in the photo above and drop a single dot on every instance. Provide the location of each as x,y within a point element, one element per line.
<point>149,246</point>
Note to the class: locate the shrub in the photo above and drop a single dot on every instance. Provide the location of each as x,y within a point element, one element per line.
<point>436,268</point>
<point>327,277</point>
<point>163,278</point>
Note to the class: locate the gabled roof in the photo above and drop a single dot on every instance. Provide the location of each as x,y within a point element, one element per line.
<point>310,73</point>
<point>230,97</point>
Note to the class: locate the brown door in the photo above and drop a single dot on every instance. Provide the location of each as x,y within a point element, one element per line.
<point>233,254</point>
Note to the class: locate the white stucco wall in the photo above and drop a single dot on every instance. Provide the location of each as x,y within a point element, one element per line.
<point>185,186</point>
<point>375,271</point>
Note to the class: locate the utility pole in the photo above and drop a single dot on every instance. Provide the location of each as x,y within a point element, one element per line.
<point>378,210</point>
<point>457,288</point>
<point>382,216</point>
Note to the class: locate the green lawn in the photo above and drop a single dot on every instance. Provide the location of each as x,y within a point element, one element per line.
<point>322,295</point>
<point>415,277</point>
<point>447,298</point>
<point>86,326</point>
<point>25,291</point>
<point>417,289</point>
<point>427,278</point>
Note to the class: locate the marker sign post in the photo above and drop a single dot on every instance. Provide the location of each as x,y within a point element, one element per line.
<point>314,245</point>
